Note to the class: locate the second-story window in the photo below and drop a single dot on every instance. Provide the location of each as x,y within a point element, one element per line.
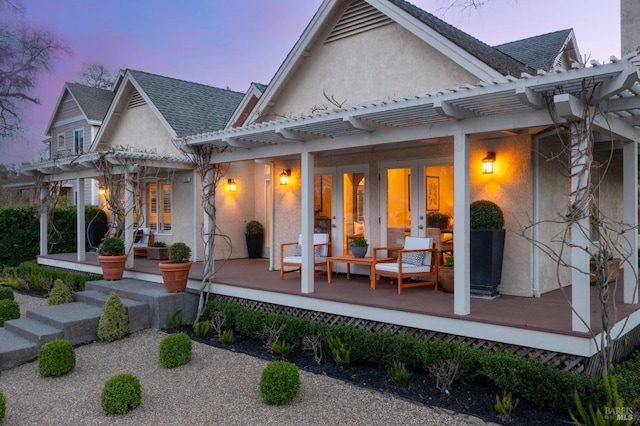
<point>78,140</point>
<point>61,141</point>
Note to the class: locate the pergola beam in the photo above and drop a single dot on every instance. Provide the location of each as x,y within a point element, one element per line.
<point>357,124</point>
<point>289,135</point>
<point>622,81</point>
<point>528,97</point>
<point>447,109</point>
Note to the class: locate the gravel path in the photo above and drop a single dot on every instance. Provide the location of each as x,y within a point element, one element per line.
<point>218,387</point>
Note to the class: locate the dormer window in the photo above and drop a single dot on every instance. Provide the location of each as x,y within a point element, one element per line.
<point>61,141</point>
<point>78,141</point>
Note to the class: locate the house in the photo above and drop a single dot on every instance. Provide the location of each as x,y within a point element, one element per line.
<point>381,115</point>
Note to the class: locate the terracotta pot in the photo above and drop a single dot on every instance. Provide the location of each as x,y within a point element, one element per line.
<point>112,266</point>
<point>175,275</point>
<point>445,276</point>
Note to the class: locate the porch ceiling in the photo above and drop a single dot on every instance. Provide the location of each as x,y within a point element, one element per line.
<point>613,87</point>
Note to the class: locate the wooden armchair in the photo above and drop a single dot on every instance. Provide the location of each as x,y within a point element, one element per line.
<point>322,250</point>
<point>418,258</point>
<point>143,238</point>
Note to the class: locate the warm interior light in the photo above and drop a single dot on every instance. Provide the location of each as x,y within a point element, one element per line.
<point>284,176</point>
<point>487,163</point>
<point>102,190</point>
<point>233,186</point>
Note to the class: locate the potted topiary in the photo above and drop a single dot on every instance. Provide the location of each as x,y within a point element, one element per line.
<point>445,275</point>
<point>112,258</point>
<point>486,248</point>
<point>175,272</point>
<point>438,220</point>
<point>158,251</point>
<point>254,234</point>
<point>359,247</point>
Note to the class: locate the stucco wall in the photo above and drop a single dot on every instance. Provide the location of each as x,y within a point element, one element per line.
<point>388,62</point>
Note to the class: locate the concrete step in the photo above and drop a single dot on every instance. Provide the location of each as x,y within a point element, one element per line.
<point>139,313</point>
<point>15,350</point>
<point>161,303</point>
<point>77,320</point>
<point>33,330</point>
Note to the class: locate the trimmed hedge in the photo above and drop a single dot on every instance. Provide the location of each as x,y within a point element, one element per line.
<point>175,350</point>
<point>540,383</point>
<point>9,310</point>
<point>121,393</point>
<point>6,293</point>
<point>56,358</point>
<point>30,275</point>
<point>279,382</point>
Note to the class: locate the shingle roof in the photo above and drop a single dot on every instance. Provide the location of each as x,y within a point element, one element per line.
<point>496,59</point>
<point>189,108</point>
<point>94,102</point>
<point>538,52</point>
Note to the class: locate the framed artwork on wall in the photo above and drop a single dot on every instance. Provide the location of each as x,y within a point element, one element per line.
<point>433,193</point>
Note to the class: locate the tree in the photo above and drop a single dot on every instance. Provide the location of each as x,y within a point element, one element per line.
<point>25,52</point>
<point>98,75</point>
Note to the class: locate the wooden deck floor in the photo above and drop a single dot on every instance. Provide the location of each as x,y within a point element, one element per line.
<point>549,313</point>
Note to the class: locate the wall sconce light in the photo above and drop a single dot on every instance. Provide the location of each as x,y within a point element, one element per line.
<point>232,185</point>
<point>102,190</point>
<point>487,163</point>
<point>284,176</point>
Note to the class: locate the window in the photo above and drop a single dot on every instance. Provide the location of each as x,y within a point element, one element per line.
<point>78,141</point>
<point>159,207</point>
<point>61,141</point>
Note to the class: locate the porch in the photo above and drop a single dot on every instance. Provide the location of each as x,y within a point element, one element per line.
<point>539,326</point>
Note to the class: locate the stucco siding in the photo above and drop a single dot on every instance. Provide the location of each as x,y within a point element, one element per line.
<point>388,62</point>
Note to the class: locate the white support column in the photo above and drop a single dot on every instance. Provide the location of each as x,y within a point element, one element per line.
<point>80,222</point>
<point>44,228</point>
<point>630,191</point>
<point>580,242</point>
<point>128,217</point>
<point>461,268</point>
<point>207,225</point>
<point>306,176</point>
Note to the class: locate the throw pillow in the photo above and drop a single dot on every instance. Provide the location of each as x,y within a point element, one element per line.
<point>139,235</point>
<point>413,258</point>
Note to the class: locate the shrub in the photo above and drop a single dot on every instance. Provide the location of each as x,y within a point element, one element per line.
<point>505,405</point>
<point>56,358</point>
<point>341,353</point>
<point>175,350</point>
<point>3,406</point>
<point>176,320</point>
<point>254,227</point>
<point>19,235</point>
<point>279,383</point>
<point>226,337</point>
<point>398,373</point>
<point>179,253</point>
<point>44,276</point>
<point>282,348</point>
<point>613,407</point>
<point>60,294</point>
<point>202,328</point>
<point>484,214</point>
<point>121,393</point>
<point>112,246</point>
<point>9,309</point>
<point>6,293</point>
<point>114,321</point>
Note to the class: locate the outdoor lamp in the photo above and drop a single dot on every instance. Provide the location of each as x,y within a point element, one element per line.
<point>284,176</point>
<point>487,163</point>
<point>101,190</point>
<point>232,185</point>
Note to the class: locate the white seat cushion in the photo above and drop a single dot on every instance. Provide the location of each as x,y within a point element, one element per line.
<point>298,259</point>
<point>407,268</point>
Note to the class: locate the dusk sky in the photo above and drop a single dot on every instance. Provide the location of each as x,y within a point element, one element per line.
<point>231,43</point>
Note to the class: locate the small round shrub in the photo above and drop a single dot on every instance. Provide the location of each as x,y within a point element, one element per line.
<point>121,393</point>
<point>6,293</point>
<point>56,358</point>
<point>279,383</point>
<point>9,309</point>
<point>175,350</point>
<point>114,322</point>
<point>60,294</point>
<point>3,406</point>
<point>484,214</point>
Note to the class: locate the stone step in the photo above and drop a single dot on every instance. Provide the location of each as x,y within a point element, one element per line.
<point>33,330</point>
<point>15,350</point>
<point>78,320</point>
<point>138,312</point>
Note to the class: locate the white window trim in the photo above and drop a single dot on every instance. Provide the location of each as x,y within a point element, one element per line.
<point>75,132</point>
<point>64,142</point>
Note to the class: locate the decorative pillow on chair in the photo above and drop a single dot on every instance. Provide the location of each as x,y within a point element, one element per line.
<point>138,236</point>
<point>413,258</point>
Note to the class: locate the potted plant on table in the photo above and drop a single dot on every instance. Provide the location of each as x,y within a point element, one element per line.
<point>445,275</point>
<point>158,251</point>
<point>486,248</point>
<point>254,234</point>
<point>175,272</point>
<point>359,247</point>
<point>112,258</point>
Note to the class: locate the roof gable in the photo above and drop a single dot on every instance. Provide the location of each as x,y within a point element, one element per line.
<point>545,51</point>
<point>92,102</point>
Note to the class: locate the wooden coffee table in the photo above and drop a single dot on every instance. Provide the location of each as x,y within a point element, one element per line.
<point>350,259</point>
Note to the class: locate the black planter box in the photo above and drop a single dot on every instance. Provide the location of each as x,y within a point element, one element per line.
<point>486,252</point>
<point>254,245</point>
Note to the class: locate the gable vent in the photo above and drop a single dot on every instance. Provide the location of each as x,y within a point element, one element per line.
<point>359,17</point>
<point>136,100</point>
